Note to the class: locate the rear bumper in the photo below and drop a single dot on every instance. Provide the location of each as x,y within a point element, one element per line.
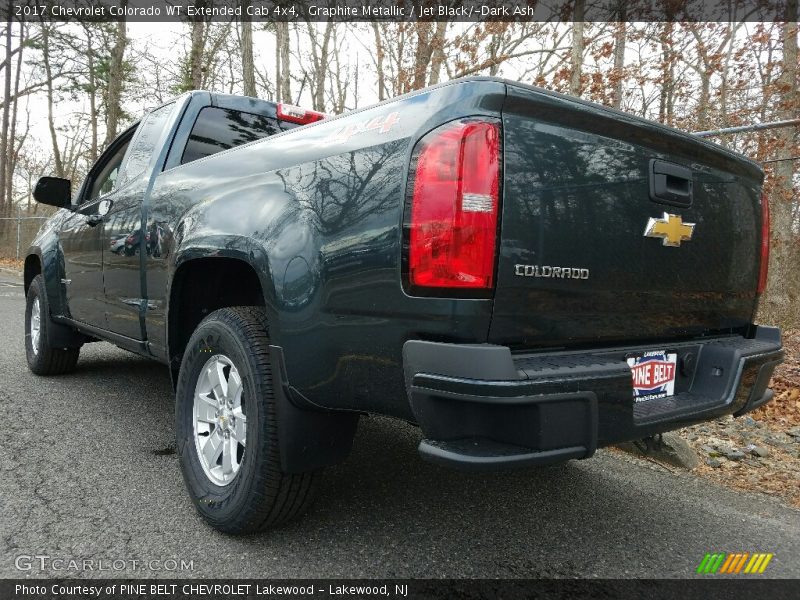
<point>481,407</point>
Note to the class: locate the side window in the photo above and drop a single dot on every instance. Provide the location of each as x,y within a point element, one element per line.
<point>218,129</point>
<point>106,179</point>
<point>144,143</point>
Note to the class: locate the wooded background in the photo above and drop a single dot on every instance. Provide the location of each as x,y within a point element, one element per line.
<point>69,89</point>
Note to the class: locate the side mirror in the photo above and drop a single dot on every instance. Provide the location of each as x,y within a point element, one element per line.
<point>53,191</point>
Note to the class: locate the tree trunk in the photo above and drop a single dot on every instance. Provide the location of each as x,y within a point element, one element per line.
<point>320,56</point>
<point>92,94</point>
<point>379,57</point>
<point>576,59</point>
<point>4,145</point>
<point>667,75</point>
<point>437,59</point>
<point>619,58</point>
<point>422,57</point>
<point>248,66</point>
<point>278,74</point>
<point>705,99</point>
<point>196,54</point>
<point>782,301</point>
<point>48,72</point>
<point>114,99</point>
<point>12,150</point>
<point>283,84</point>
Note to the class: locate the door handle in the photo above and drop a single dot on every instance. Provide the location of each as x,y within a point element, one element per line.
<point>670,183</point>
<point>93,220</point>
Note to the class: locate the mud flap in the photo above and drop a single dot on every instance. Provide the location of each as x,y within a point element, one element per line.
<point>309,437</point>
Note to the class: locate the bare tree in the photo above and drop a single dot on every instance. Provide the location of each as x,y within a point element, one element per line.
<point>317,70</point>
<point>13,145</point>
<point>114,90</point>
<point>576,56</point>
<point>195,67</point>
<point>48,70</point>
<point>248,66</point>
<point>339,76</point>
<point>667,86</point>
<point>379,57</point>
<point>283,84</point>
<point>618,74</point>
<point>782,302</point>
<point>438,54</point>
<point>6,105</point>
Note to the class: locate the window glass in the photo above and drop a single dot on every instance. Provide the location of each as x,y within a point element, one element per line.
<point>144,144</point>
<point>106,179</point>
<point>218,129</point>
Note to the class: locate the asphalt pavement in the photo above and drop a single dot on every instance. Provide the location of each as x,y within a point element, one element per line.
<point>89,475</point>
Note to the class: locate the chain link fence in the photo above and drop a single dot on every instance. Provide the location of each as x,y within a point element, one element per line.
<point>16,234</point>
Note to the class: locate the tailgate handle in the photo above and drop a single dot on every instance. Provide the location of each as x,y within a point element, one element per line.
<point>670,183</point>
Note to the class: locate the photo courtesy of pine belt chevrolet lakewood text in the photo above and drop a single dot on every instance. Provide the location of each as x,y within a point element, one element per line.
<point>525,276</point>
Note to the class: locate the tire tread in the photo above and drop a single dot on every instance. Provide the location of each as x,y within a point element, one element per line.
<point>276,497</point>
<point>49,360</point>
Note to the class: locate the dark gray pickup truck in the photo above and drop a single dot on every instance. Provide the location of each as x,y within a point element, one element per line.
<point>525,276</point>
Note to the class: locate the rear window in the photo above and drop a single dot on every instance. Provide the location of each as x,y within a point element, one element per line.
<point>218,129</point>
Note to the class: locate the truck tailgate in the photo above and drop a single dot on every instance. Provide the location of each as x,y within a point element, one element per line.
<point>581,187</point>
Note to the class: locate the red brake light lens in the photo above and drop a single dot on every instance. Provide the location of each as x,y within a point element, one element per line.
<point>452,236</point>
<point>295,114</point>
<point>764,265</point>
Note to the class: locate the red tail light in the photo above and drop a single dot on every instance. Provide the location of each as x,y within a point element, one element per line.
<point>455,200</point>
<point>295,114</point>
<point>764,267</point>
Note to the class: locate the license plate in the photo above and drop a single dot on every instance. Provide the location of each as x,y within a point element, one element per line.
<point>653,375</point>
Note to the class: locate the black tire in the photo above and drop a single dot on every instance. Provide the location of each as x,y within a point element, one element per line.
<point>45,359</point>
<point>260,495</point>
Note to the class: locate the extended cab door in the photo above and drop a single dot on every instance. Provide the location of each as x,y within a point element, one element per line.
<point>82,238</point>
<point>127,241</point>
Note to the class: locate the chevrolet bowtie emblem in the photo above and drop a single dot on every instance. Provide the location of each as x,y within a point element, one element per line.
<point>670,228</point>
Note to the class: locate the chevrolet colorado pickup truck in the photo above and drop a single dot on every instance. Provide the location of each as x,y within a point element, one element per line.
<point>525,276</point>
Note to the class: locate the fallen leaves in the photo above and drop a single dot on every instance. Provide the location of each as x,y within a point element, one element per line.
<point>11,263</point>
<point>784,410</point>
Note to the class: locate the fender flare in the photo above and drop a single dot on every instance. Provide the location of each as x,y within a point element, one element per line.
<point>51,267</point>
<point>239,248</point>
<point>310,437</point>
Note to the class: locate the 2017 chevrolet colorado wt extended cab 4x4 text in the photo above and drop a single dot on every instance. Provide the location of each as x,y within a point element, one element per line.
<point>524,275</point>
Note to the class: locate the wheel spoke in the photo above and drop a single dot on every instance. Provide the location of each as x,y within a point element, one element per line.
<point>36,323</point>
<point>228,456</point>
<point>216,376</point>
<point>240,429</point>
<point>235,388</point>
<point>213,448</point>
<point>206,408</point>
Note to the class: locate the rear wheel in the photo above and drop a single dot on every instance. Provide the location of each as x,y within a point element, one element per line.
<point>226,426</point>
<point>43,357</point>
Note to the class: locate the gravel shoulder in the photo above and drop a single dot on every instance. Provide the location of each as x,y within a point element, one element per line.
<point>750,454</point>
<point>760,451</point>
